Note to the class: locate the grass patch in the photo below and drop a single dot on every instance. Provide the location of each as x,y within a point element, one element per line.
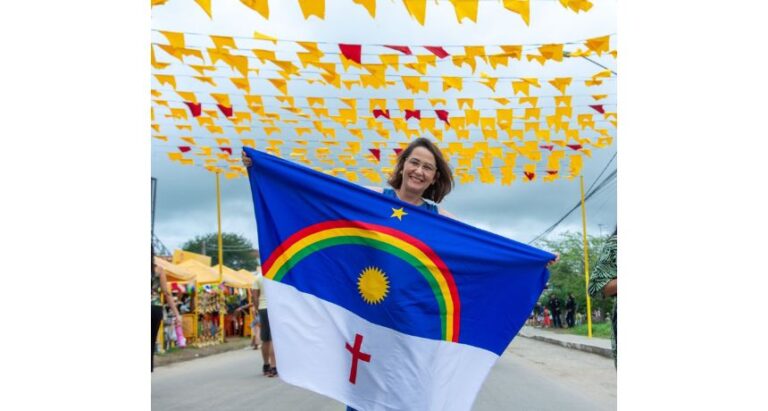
<point>599,330</point>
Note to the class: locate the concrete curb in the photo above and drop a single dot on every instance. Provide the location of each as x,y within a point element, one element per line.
<point>605,352</point>
<point>192,353</point>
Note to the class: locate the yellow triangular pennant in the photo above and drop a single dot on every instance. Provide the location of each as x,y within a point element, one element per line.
<point>521,7</point>
<point>369,5</point>
<point>206,6</point>
<point>312,8</point>
<point>465,9</point>
<point>259,6</point>
<point>417,9</point>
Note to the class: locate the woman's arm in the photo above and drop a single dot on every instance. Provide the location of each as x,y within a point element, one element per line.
<point>168,295</point>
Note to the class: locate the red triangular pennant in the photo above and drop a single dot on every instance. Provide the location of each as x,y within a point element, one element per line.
<point>443,115</point>
<point>226,149</point>
<point>184,149</point>
<point>575,147</point>
<point>402,49</point>
<point>351,51</point>
<point>529,176</point>
<point>195,108</point>
<point>376,153</point>
<point>381,113</point>
<point>397,150</point>
<point>226,110</point>
<point>547,147</point>
<point>599,108</point>
<point>413,114</point>
<point>438,51</point>
<point>551,172</point>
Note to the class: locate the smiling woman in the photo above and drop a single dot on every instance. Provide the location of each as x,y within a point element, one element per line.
<point>421,173</point>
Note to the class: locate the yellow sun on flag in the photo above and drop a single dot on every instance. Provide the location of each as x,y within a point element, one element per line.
<point>373,285</point>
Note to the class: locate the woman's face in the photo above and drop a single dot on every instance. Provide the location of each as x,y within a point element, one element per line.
<point>419,171</point>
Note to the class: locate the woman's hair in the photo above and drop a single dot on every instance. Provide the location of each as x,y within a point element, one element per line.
<point>443,177</point>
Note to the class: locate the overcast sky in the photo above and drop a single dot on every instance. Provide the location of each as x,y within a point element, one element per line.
<point>186,196</point>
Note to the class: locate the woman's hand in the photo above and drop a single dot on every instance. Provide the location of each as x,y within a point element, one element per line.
<point>246,160</point>
<point>557,258</point>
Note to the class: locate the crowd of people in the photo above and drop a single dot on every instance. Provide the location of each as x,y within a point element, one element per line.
<point>556,314</point>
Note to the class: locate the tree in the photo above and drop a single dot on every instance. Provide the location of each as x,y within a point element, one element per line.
<point>238,250</point>
<point>567,276</point>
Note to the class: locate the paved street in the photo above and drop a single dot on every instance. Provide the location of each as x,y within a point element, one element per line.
<point>531,375</point>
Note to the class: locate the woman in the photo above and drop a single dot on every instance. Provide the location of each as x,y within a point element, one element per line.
<point>421,174</point>
<point>160,284</point>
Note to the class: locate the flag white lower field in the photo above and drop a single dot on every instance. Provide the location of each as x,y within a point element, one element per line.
<point>330,350</point>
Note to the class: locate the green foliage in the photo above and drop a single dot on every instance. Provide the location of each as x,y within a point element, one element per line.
<point>567,276</point>
<point>238,250</point>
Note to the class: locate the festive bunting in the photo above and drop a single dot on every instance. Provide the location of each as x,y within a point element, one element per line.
<point>312,8</point>
<point>598,44</point>
<point>577,5</point>
<point>166,79</point>
<point>227,111</point>
<point>194,108</point>
<point>443,115</point>
<point>417,9</point>
<point>381,113</point>
<point>465,9</point>
<point>529,171</point>
<point>561,83</point>
<point>599,108</point>
<point>552,51</point>
<point>452,82</point>
<point>403,49</point>
<point>281,85</point>
<point>351,51</point>
<point>415,84</point>
<point>412,114</point>
<point>259,6</point>
<point>437,51</point>
<point>515,52</point>
<point>521,7</point>
<point>369,5</point>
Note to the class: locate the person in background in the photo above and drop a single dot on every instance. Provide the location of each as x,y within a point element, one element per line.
<point>159,285</point>
<point>603,282</point>
<point>267,349</point>
<point>554,309</point>
<point>537,314</point>
<point>570,310</point>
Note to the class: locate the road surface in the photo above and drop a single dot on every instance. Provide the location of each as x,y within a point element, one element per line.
<point>531,375</point>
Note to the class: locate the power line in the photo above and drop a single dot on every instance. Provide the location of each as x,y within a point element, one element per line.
<point>607,180</point>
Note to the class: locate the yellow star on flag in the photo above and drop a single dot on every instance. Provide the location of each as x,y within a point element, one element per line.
<point>399,213</point>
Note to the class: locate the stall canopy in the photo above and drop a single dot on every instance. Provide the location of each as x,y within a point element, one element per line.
<point>179,256</point>
<point>247,276</point>
<point>193,267</point>
<point>236,279</point>
<point>174,272</point>
<point>204,274</point>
